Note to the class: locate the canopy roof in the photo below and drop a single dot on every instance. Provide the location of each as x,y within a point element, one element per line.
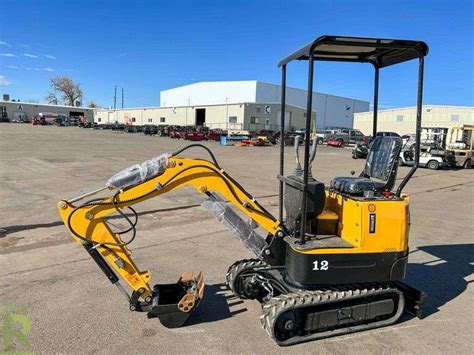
<point>380,52</point>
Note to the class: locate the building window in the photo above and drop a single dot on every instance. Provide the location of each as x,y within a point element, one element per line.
<point>162,119</point>
<point>399,118</point>
<point>99,119</point>
<point>133,119</point>
<point>259,109</point>
<point>150,120</point>
<point>232,119</point>
<point>454,118</point>
<point>254,119</point>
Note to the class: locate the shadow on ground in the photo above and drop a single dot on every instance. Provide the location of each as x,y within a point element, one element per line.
<point>443,278</point>
<point>218,304</point>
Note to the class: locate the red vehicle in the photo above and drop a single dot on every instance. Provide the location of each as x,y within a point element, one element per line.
<point>215,135</point>
<point>255,142</point>
<point>195,136</point>
<point>335,142</point>
<point>49,118</point>
<point>177,132</point>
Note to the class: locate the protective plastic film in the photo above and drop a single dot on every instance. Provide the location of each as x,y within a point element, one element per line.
<point>382,156</point>
<point>138,173</point>
<point>234,223</point>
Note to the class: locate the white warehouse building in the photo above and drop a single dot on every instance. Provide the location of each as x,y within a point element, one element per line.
<point>234,117</point>
<point>402,120</point>
<point>330,110</point>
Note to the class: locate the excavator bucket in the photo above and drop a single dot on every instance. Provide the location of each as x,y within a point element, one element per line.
<point>173,303</point>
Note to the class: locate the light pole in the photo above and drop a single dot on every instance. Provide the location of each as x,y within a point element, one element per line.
<point>187,113</point>
<point>227,115</point>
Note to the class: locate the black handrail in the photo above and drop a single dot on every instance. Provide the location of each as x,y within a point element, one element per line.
<point>282,141</point>
<point>419,106</point>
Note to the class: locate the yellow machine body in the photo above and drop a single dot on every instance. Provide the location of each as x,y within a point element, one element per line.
<point>351,220</point>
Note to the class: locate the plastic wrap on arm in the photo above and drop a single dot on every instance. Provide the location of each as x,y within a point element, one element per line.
<point>235,224</point>
<point>139,173</point>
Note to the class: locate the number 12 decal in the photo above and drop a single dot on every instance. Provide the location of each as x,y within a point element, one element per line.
<point>323,265</point>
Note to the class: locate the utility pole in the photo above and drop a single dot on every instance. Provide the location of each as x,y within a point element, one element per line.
<point>227,115</point>
<point>122,97</point>
<point>187,113</point>
<point>115,97</point>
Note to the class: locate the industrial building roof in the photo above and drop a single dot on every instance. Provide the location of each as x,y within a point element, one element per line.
<point>414,108</point>
<point>43,104</point>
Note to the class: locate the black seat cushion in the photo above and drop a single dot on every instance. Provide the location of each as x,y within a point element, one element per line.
<point>381,165</point>
<point>337,182</point>
<point>355,185</point>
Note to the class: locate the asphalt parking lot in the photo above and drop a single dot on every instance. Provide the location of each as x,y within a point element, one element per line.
<point>73,307</point>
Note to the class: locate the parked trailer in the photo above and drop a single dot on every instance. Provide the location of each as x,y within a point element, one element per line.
<point>50,118</point>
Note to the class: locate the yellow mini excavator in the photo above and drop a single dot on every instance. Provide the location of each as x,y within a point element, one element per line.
<point>333,260</point>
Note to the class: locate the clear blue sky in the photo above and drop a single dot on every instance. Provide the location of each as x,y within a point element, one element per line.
<point>148,46</point>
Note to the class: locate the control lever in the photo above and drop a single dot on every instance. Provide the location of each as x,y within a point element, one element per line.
<point>312,156</point>
<point>298,169</point>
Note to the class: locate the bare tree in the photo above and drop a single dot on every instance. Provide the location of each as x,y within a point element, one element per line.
<point>51,98</point>
<point>92,104</point>
<point>67,88</point>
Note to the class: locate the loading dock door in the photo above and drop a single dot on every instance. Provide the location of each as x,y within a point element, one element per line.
<point>75,117</point>
<point>200,116</point>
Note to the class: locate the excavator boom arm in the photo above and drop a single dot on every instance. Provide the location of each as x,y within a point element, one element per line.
<point>87,222</point>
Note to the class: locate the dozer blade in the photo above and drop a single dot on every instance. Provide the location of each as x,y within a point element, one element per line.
<point>173,303</point>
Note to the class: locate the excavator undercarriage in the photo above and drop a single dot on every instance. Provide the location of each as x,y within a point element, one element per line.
<point>333,261</point>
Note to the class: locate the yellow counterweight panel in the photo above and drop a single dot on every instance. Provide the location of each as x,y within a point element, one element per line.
<point>389,231</point>
<point>203,175</point>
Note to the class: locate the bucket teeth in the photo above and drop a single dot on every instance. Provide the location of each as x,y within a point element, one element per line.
<point>195,293</point>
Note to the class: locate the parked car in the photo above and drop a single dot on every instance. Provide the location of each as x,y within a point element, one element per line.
<point>107,126</point>
<point>130,129</point>
<point>320,137</point>
<point>176,132</point>
<point>119,127</point>
<point>195,136</point>
<point>431,157</point>
<point>345,136</point>
<point>150,129</point>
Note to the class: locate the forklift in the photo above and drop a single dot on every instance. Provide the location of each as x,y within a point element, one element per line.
<point>461,144</point>
<point>334,258</point>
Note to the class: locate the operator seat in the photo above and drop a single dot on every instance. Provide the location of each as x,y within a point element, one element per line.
<point>379,172</point>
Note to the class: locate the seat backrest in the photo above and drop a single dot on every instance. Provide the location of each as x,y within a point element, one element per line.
<point>382,160</point>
